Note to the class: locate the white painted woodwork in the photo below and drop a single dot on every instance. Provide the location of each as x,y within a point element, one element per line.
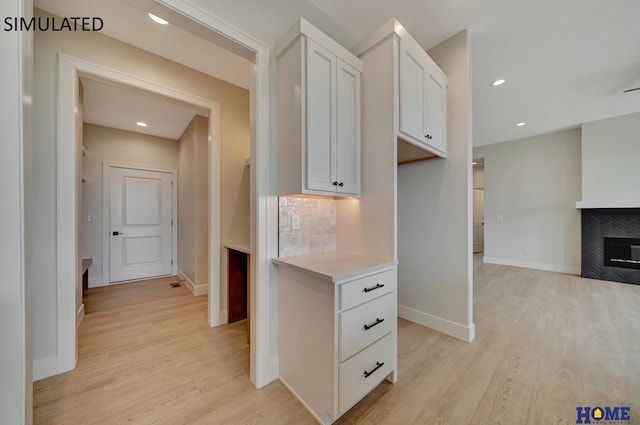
<point>141,211</point>
<point>367,288</point>
<point>379,317</point>
<point>318,115</point>
<point>16,243</point>
<point>321,118</point>
<point>324,349</point>
<point>353,385</point>
<point>423,94</point>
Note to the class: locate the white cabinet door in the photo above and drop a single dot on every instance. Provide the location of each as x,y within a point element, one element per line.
<point>321,118</point>
<point>348,129</point>
<point>413,73</point>
<point>423,98</point>
<point>436,117</point>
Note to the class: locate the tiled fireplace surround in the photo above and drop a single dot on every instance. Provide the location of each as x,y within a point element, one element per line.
<point>598,224</point>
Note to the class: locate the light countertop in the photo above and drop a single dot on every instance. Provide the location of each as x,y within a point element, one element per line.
<point>336,266</point>
<point>242,246</point>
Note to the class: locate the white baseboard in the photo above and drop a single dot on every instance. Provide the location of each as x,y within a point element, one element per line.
<point>188,283</point>
<point>80,315</point>
<point>532,265</point>
<point>224,317</point>
<point>456,330</point>
<point>95,282</point>
<point>304,404</point>
<point>44,368</point>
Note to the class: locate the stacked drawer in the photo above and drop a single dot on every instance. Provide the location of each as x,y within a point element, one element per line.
<point>367,341</point>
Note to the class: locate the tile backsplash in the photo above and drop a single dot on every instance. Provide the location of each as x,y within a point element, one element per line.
<point>317,219</point>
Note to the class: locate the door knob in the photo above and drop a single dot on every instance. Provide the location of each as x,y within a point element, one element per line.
<point>117,233</point>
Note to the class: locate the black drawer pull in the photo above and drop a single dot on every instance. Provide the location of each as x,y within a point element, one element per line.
<point>377,322</point>
<point>378,366</point>
<point>373,288</point>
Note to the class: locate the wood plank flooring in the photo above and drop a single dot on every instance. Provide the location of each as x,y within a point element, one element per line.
<point>546,343</point>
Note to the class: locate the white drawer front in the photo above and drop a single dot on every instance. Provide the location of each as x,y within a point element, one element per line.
<point>367,288</point>
<point>353,382</point>
<point>365,324</point>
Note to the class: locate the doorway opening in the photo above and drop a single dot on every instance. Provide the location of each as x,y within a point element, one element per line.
<point>478,206</point>
<point>263,216</point>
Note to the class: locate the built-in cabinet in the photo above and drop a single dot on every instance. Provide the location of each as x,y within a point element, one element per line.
<point>318,115</point>
<point>337,321</point>
<point>418,85</point>
<point>423,96</point>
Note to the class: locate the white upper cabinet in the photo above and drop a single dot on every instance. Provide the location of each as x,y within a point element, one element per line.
<point>423,94</point>
<point>318,115</point>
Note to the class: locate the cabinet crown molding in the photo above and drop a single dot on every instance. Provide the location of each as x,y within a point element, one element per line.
<point>302,27</point>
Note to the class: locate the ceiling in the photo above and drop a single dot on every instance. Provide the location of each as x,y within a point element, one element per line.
<point>565,62</point>
<point>117,106</point>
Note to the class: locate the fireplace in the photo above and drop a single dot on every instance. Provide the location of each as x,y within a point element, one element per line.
<point>622,252</point>
<point>611,244</point>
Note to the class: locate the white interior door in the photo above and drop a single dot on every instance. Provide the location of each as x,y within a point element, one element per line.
<point>478,220</point>
<point>141,221</point>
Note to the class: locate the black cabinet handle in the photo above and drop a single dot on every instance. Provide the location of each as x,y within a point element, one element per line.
<point>117,233</point>
<point>376,323</point>
<point>341,184</point>
<point>335,183</point>
<point>373,288</point>
<point>378,366</point>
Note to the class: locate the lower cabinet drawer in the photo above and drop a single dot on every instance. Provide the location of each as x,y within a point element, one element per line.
<point>364,371</point>
<point>365,324</point>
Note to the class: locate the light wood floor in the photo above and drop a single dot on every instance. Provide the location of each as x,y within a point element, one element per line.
<point>546,343</point>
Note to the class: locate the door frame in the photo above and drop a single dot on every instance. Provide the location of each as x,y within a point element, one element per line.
<point>106,213</point>
<point>263,359</point>
<point>68,162</point>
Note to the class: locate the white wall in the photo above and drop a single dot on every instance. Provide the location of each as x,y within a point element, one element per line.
<point>533,184</point>
<point>193,204</point>
<point>15,191</point>
<point>610,161</point>
<point>113,54</point>
<point>434,213</point>
<point>110,144</point>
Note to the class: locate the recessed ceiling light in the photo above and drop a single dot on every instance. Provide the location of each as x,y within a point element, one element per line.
<point>521,124</point>
<point>474,163</point>
<point>158,19</point>
<point>498,82</point>
<point>141,124</point>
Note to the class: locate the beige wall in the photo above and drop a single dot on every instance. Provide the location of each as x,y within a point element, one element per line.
<point>110,144</point>
<point>531,189</point>
<point>193,202</point>
<point>105,51</point>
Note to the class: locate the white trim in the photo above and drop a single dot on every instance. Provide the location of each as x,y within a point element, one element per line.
<point>43,368</point>
<point>68,176</point>
<point>80,315</point>
<point>96,282</point>
<point>196,290</point>
<point>15,121</point>
<point>304,404</point>
<point>264,205</point>
<point>106,213</point>
<point>456,330</point>
<point>224,317</point>
<point>559,268</point>
<point>585,205</point>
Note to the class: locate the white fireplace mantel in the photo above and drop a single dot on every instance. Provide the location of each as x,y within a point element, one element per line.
<point>584,205</point>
